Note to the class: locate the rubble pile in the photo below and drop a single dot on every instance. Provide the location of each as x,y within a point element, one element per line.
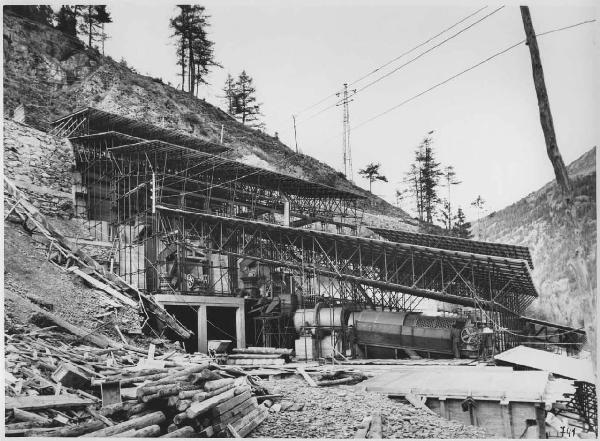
<point>345,411</point>
<point>53,389</point>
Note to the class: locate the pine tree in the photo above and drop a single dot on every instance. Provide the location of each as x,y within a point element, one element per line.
<point>229,90</point>
<point>194,50</point>
<point>371,172</point>
<point>429,178</point>
<point>245,107</point>
<point>413,181</point>
<point>461,228</point>
<point>478,203</point>
<point>66,19</point>
<point>446,216</point>
<point>449,177</point>
<point>91,23</point>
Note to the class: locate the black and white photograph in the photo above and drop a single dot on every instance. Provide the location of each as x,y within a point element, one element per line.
<point>300,219</point>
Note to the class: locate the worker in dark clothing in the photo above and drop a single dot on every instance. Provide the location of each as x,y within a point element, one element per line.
<point>455,336</point>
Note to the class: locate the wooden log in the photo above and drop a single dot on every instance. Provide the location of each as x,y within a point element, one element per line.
<point>77,430</point>
<point>23,415</point>
<point>115,408</point>
<point>187,394</point>
<point>135,423</point>
<point>183,405</point>
<point>376,429</point>
<point>209,375</point>
<point>261,350</point>
<point>180,418</point>
<point>33,432</point>
<point>147,432</point>
<point>201,396</point>
<point>136,409</point>
<point>150,397</point>
<point>198,408</point>
<point>210,386</point>
<point>183,432</point>
<point>363,428</point>
<point>26,425</point>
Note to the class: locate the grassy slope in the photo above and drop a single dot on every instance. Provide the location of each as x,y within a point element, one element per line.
<point>52,74</point>
<point>534,221</point>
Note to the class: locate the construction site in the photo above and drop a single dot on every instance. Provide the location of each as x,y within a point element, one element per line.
<point>268,305</point>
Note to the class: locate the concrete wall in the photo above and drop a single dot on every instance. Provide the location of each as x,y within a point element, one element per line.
<point>40,165</point>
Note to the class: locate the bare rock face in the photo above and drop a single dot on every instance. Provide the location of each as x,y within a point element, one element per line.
<point>40,165</point>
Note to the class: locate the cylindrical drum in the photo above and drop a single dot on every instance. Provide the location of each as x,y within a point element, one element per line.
<point>305,318</point>
<point>331,317</point>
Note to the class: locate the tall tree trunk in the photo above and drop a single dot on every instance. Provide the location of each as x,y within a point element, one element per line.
<point>191,67</point>
<point>574,224</point>
<point>90,26</point>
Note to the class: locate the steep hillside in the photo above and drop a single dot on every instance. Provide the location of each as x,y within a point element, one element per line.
<point>534,221</point>
<point>52,74</point>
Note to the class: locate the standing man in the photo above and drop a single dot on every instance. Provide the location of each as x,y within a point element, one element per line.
<point>455,336</point>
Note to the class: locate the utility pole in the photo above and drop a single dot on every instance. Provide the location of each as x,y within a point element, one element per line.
<point>295,135</point>
<point>560,170</point>
<point>346,150</point>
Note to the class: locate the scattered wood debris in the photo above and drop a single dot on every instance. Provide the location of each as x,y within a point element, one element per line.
<point>55,389</point>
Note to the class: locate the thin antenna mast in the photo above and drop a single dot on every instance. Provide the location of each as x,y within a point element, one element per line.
<point>346,150</point>
<point>295,135</point>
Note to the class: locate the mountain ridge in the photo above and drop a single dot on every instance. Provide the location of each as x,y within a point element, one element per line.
<point>537,221</point>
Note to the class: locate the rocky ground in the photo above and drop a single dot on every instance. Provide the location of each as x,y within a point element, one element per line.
<point>336,412</point>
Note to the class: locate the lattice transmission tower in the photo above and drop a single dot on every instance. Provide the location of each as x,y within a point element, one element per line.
<point>346,150</point>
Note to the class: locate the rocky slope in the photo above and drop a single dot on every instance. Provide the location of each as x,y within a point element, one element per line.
<point>536,221</point>
<point>52,74</point>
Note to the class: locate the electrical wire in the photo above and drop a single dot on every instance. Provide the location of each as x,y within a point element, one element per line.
<point>407,63</point>
<point>377,69</point>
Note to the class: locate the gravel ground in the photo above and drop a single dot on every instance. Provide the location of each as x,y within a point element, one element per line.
<point>336,412</point>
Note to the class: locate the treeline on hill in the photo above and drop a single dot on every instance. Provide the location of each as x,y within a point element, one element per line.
<point>195,51</point>
<point>427,191</point>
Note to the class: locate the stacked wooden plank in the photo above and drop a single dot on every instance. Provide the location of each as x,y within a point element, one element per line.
<point>258,356</point>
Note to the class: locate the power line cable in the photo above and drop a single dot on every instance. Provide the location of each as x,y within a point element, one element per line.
<point>497,54</point>
<point>377,69</point>
<point>417,47</point>
<point>408,62</point>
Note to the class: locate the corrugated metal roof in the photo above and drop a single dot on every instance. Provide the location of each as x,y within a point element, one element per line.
<point>562,365</point>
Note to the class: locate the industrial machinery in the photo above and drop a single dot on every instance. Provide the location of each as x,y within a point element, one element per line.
<point>414,331</point>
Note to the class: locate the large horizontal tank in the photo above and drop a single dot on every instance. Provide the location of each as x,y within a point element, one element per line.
<point>404,330</point>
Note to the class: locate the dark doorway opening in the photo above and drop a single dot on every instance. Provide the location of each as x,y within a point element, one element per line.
<point>188,316</point>
<point>221,324</point>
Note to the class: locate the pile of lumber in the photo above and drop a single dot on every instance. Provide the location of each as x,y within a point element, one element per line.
<point>257,356</point>
<point>54,389</point>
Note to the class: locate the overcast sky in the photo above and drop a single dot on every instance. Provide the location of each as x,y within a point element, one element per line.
<point>485,122</point>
